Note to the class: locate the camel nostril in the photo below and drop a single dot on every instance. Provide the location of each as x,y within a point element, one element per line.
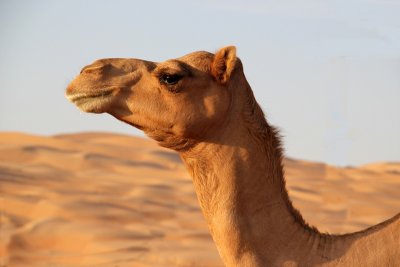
<point>96,69</point>
<point>84,68</point>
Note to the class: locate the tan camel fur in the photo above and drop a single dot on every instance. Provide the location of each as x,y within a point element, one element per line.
<point>202,106</point>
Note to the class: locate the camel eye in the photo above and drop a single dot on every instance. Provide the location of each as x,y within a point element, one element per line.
<point>169,79</point>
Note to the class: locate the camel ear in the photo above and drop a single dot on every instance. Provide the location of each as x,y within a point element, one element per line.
<point>224,64</point>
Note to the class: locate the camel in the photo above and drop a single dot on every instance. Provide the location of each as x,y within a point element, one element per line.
<point>202,106</point>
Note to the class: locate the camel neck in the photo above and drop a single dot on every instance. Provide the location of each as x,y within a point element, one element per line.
<point>239,182</point>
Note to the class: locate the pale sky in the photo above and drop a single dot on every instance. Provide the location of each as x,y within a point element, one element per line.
<point>327,73</point>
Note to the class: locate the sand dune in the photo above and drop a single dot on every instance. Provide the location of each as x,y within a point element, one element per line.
<point>97,199</point>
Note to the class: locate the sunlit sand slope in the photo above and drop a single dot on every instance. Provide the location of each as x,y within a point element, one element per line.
<point>97,199</point>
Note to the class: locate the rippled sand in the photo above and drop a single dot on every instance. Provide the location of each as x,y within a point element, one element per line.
<point>97,199</point>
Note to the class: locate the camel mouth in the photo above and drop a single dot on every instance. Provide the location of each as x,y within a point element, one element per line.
<point>93,102</point>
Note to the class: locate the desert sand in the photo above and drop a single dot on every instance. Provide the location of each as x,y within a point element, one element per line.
<point>99,199</point>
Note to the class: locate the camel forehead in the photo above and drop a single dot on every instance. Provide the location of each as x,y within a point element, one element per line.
<point>200,59</point>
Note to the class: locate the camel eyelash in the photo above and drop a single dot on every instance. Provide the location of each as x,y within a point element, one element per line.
<point>179,69</point>
<point>168,71</point>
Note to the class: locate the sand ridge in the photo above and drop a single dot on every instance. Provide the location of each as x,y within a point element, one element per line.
<point>100,199</point>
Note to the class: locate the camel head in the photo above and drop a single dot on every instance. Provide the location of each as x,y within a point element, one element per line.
<point>179,99</point>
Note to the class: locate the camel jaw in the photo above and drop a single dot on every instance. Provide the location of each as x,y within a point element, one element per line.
<point>93,102</point>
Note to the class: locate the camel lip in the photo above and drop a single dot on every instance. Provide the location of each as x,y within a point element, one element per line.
<point>93,102</point>
<point>85,96</point>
